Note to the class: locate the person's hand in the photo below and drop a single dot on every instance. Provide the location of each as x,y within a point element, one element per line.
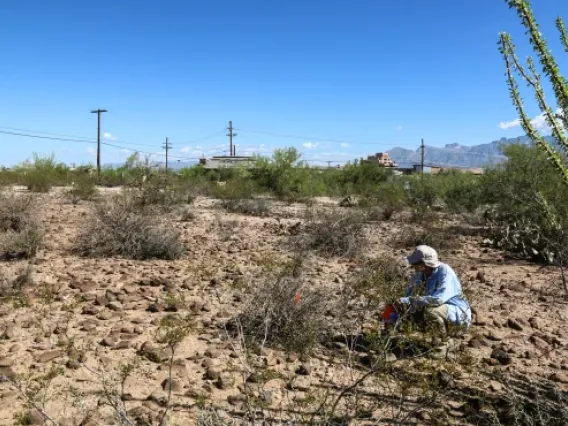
<point>399,304</point>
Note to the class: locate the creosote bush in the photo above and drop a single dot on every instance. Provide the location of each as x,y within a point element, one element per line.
<point>116,228</point>
<point>20,234</point>
<point>332,233</point>
<point>82,188</point>
<point>252,207</point>
<point>439,237</point>
<point>283,312</point>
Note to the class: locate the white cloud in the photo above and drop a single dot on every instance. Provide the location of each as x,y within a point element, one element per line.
<point>336,154</point>
<point>109,136</point>
<point>398,128</point>
<point>505,125</point>
<point>310,145</point>
<point>539,123</point>
<point>91,151</point>
<point>345,145</point>
<point>185,149</point>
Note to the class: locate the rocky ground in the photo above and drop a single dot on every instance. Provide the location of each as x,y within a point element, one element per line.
<point>87,320</point>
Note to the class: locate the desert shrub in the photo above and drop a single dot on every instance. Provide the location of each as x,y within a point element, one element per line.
<point>362,178</point>
<point>13,286</point>
<point>82,188</point>
<point>156,195</point>
<point>286,176</point>
<point>438,237</point>
<point>252,207</point>
<point>115,228</point>
<point>282,312</point>
<point>187,215</point>
<point>391,199</point>
<point>461,192</point>
<point>333,233</point>
<point>528,213</point>
<point>43,173</point>
<point>37,181</point>
<point>20,234</point>
<point>376,283</point>
<point>423,193</point>
<point>236,189</point>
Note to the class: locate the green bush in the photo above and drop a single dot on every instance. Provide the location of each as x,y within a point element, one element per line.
<point>423,193</point>
<point>528,201</point>
<point>82,188</point>
<point>43,173</point>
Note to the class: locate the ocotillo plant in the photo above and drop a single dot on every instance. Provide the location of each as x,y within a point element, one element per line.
<point>557,119</point>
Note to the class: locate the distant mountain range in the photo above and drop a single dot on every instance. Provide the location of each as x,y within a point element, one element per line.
<point>457,155</point>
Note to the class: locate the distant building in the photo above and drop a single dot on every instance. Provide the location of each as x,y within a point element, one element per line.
<point>432,170</point>
<point>226,161</point>
<point>382,158</point>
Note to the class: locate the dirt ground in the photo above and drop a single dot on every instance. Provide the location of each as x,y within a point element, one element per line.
<point>108,310</point>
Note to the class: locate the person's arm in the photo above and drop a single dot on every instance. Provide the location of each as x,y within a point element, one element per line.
<point>414,281</point>
<point>444,291</point>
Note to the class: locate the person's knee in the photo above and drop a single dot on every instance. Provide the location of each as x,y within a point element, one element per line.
<point>438,314</point>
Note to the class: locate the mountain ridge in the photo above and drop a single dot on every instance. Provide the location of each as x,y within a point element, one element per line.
<point>457,155</point>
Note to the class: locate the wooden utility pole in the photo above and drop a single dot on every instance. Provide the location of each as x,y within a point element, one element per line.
<point>98,112</point>
<point>167,146</point>
<point>422,155</point>
<point>231,134</point>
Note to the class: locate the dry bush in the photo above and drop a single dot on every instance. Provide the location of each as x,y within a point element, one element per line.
<point>14,286</point>
<point>20,234</point>
<point>187,215</point>
<point>440,238</point>
<point>283,312</point>
<point>115,228</point>
<point>252,207</point>
<point>332,233</point>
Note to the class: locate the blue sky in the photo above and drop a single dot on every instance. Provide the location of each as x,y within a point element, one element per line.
<point>346,78</point>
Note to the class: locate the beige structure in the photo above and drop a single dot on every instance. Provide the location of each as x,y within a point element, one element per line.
<point>383,159</point>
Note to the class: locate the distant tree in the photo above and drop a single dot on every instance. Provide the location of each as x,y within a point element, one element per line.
<point>557,119</point>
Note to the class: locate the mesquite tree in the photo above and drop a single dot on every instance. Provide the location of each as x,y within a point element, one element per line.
<point>557,119</point>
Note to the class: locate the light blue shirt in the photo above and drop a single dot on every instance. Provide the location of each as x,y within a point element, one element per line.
<point>443,287</point>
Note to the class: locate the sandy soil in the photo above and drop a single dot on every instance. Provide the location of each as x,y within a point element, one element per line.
<point>108,310</point>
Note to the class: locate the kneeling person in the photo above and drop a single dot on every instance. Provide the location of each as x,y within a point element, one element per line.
<point>443,302</point>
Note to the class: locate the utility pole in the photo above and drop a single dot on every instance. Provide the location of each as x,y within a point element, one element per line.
<point>328,164</point>
<point>99,112</point>
<point>167,146</point>
<point>231,134</point>
<point>422,150</point>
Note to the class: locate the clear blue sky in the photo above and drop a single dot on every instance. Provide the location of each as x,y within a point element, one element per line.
<point>364,72</point>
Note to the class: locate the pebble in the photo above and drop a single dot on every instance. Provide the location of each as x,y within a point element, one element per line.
<point>501,356</point>
<point>49,356</point>
<point>104,315</point>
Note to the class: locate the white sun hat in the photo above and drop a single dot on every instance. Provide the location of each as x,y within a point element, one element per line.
<point>424,254</point>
